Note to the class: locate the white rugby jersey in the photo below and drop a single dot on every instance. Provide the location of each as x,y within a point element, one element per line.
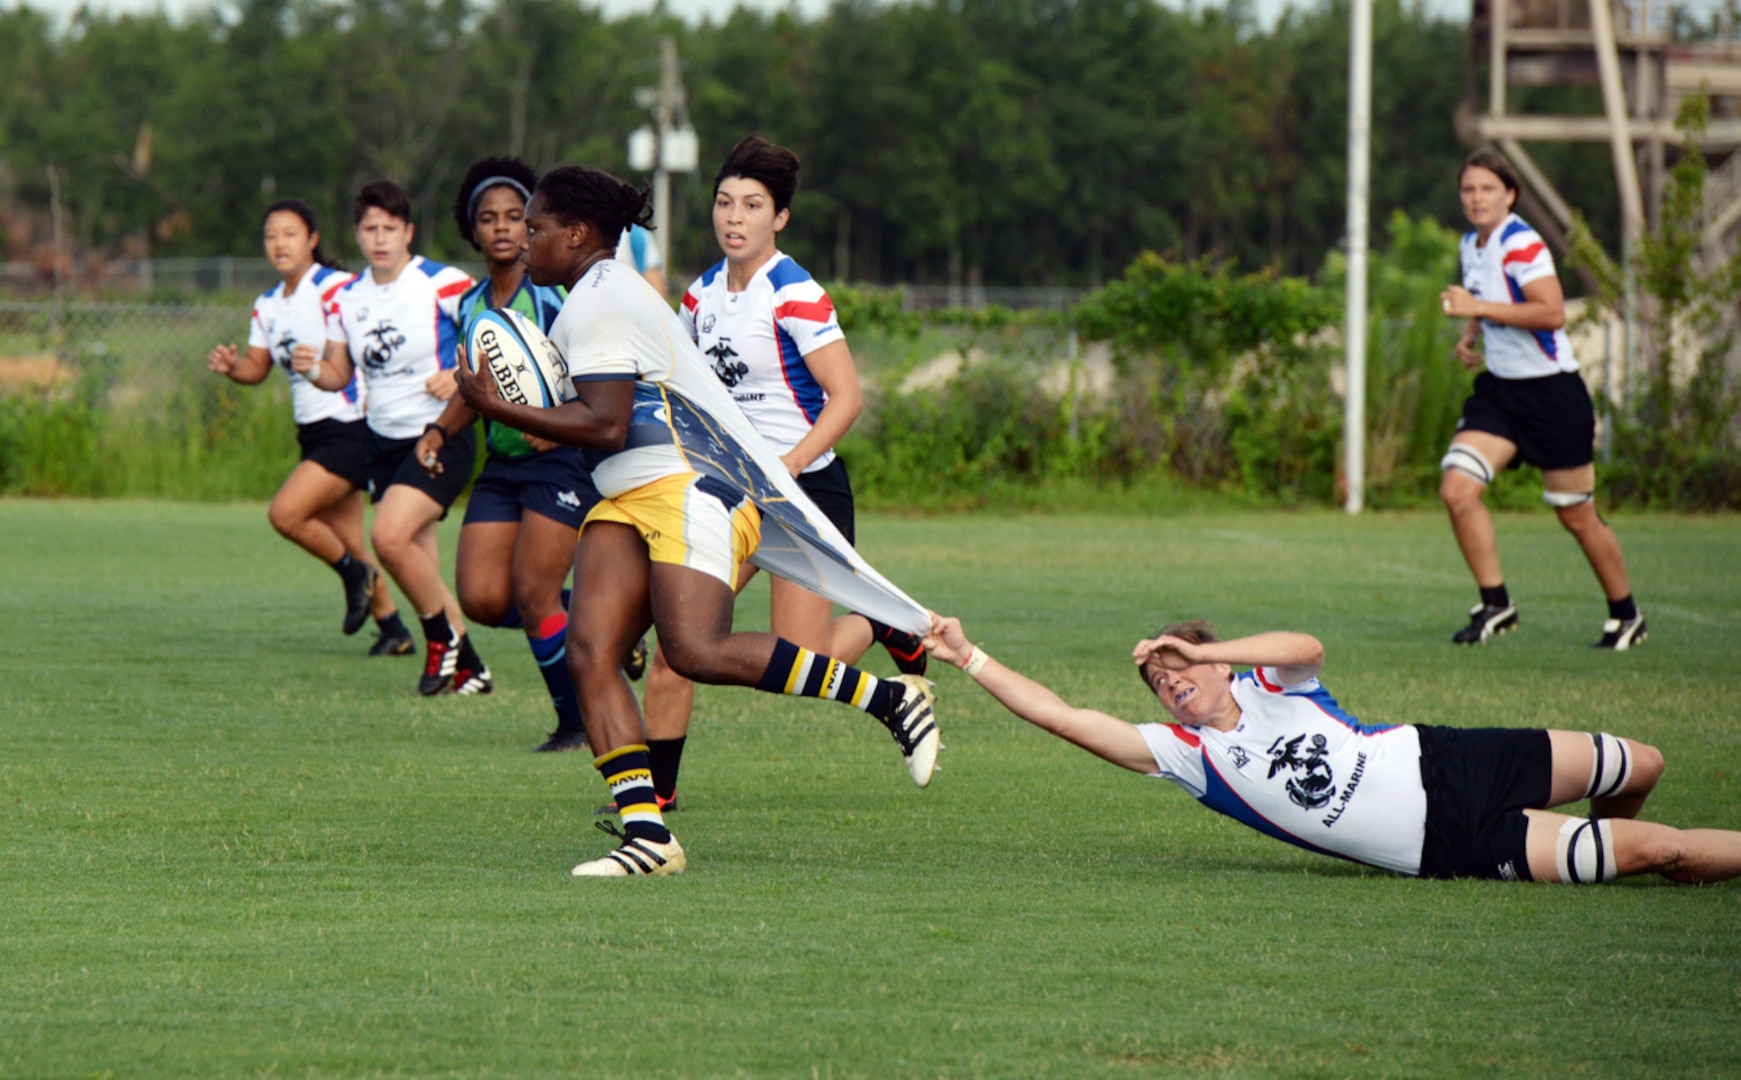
<point>280,323</point>
<point>400,334</point>
<point>757,341</point>
<point>1298,768</point>
<point>612,326</point>
<point>1514,256</point>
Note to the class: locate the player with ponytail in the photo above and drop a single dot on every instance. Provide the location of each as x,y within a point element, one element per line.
<point>320,505</point>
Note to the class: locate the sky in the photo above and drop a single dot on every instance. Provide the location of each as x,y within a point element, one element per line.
<point>693,10</point>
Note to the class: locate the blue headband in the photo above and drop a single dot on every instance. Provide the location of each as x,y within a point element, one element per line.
<point>471,204</point>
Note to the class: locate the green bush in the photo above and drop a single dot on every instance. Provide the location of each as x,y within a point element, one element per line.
<point>1675,443</point>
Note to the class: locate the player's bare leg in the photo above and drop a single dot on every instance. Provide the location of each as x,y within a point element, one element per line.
<point>1584,850</point>
<point>543,553</point>
<point>296,510</point>
<point>608,615</point>
<point>1616,785</point>
<point>345,518</point>
<point>484,572</point>
<point>692,613</point>
<point>1463,496</point>
<point>1600,544</point>
<point>322,514</point>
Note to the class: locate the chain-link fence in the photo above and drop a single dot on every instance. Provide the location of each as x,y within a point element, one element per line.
<point>115,399</point>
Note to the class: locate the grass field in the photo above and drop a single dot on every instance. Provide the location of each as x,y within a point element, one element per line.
<point>235,847</point>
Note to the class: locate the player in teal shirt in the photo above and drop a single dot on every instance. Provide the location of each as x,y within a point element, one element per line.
<point>521,524</point>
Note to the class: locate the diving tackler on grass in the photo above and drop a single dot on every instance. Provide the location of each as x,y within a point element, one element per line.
<point>1272,749</point>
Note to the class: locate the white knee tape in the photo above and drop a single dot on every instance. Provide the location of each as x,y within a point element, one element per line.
<point>1585,851</point>
<point>1565,500</point>
<point>1612,767</point>
<point>1467,460</point>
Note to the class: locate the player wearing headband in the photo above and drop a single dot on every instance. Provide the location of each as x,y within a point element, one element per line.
<point>526,506</point>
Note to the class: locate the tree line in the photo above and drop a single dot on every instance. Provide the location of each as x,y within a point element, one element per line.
<point>996,142</point>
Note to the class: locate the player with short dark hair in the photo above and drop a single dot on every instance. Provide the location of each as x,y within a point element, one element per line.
<point>775,342</point>
<point>1529,406</point>
<point>319,507</point>
<point>399,323</point>
<point>1273,750</point>
<point>664,545</point>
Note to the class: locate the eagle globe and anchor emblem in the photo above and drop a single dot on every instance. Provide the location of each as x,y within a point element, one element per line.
<point>1312,784</point>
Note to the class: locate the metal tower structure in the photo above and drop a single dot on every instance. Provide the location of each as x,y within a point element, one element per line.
<point>1625,48</point>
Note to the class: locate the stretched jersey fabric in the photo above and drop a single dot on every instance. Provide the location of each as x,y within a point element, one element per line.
<point>637,248</point>
<point>615,326</point>
<point>399,335</point>
<point>1514,256</point>
<point>282,322</point>
<point>757,340</point>
<point>1298,768</point>
<point>540,304</point>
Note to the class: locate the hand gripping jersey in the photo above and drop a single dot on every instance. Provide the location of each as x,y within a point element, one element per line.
<point>280,323</point>
<point>400,334</point>
<point>1514,256</point>
<point>1300,769</point>
<point>614,326</point>
<point>757,341</point>
<point>540,304</point>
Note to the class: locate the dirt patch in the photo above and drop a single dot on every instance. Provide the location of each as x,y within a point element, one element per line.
<point>32,372</point>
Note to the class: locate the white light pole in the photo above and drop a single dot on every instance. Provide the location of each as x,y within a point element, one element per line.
<point>669,146</point>
<point>1359,182</point>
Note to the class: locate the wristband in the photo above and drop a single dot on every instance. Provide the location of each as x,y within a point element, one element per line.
<point>434,425</point>
<point>976,661</point>
<point>313,372</point>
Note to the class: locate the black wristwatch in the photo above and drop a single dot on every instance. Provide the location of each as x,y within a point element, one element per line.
<point>435,425</point>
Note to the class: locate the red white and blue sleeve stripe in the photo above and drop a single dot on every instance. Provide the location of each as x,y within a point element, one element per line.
<point>802,308</point>
<point>1526,258</point>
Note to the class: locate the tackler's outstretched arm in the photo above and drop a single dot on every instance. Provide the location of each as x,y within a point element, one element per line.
<point>1104,736</point>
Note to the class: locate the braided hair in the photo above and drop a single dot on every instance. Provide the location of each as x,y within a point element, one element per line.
<point>573,194</point>
<point>310,220</point>
<point>483,175</point>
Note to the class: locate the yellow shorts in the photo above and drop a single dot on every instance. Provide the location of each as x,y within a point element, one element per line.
<point>686,520</point>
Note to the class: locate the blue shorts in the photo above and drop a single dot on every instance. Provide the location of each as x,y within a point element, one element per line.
<point>555,483</point>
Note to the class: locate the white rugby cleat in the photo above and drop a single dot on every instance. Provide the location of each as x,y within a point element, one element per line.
<point>635,857</point>
<point>915,728</point>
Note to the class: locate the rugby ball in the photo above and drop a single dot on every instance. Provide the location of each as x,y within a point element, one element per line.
<point>528,368</point>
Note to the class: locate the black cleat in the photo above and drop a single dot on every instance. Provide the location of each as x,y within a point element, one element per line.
<point>1486,621</point>
<point>358,594</point>
<point>393,645</point>
<point>907,651</point>
<point>560,740</point>
<point>1622,634</point>
<point>636,664</point>
<point>438,667</point>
